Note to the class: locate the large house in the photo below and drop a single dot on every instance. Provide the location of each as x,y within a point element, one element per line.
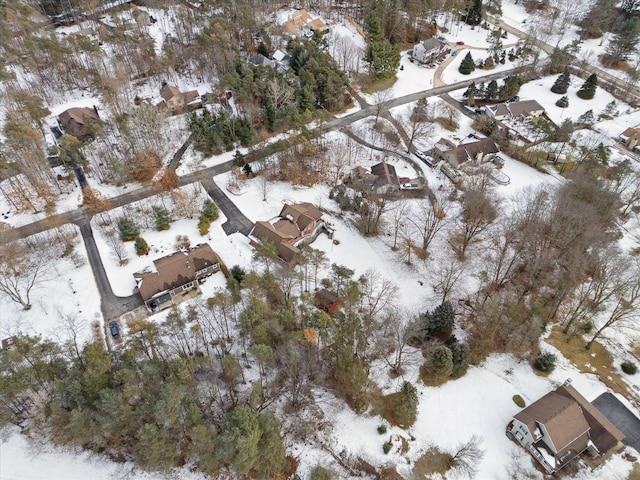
<point>428,50</point>
<point>631,138</point>
<point>560,426</point>
<point>301,22</point>
<point>77,121</point>
<point>473,148</point>
<point>174,274</point>
<point>297,223</point>
<point>523,110</point>
<point>176,101</point>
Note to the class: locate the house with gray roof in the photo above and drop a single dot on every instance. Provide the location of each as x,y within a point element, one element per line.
<point>428,50</point>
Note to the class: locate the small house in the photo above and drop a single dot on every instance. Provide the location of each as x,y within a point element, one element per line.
<point>177,101</point>
<point>428,50</point>
<point>297,223</point>
<point>631,138</point>
<point>261,61</point>
<point>77,122</point>
<point>387,179</point>
<point>560,426</point>
<point>327,301</point>
<point>522,110</point>
<point>175,274</point>
<point>475,149</point>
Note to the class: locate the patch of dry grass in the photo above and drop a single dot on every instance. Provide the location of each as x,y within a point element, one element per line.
<point>370,88</point>
<point>596,360</point>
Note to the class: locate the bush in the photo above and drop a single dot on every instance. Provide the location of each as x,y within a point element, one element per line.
<point>629,368</point>
<point>203,225</point>
<point>161,218</point>
<point>519,401</point>
<point>401,408</point>
<point>386,448</point>
<point>546,362</point>
<point>321,473</point>
<point>563,102</point>
<point>210,210</point>
<point>382,429</point>
<point>141,246</point>
<point>238,273</point>
<point>128,229</point>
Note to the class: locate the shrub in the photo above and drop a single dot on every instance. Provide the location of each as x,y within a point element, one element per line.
<point>546,362</point>
<point>321,473</point>
<point>519,401</point>
<point>161,218</point>
<point>386,448</point>
<point>401,408</point>
<point>141,246</point>
<point>563,102</point>
<point>382,429</point>
<point>238,273</point>
<point>460,357</point>
<point>210,210</point>
<point>128,229</point>
<point>588,89</point>
<point>629,368</point>
<point>203,225</point>
<point>438,366</point>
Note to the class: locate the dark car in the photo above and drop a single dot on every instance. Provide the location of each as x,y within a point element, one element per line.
<point>459,42</point>
<point>113,328</point>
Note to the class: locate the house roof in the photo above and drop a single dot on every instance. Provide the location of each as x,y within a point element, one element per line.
<point>562,418</point>
<point>79,114</point>
<point>191,95</point>
<point>174,270</point>
<point>259,59</point>
<point>469,151</point>
<point>432,43</point>
<point>631,133</point>
<point>317,24</point>
<point>279,56</point>
<point>169,91</point>
<point>300,17</point>
<point>386,173</point>
<point>524,107</point>
<point>499,109</point>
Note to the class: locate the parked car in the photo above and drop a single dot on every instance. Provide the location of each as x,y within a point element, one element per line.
<point>454,53</point>
<point>424,157</point>
<point>113,328</point>
<point>459,42</point>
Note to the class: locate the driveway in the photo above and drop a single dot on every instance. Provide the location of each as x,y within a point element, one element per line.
<point>621,417</point>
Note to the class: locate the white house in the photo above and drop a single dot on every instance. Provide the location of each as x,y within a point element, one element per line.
<point>428,50</point>
<point>524,110</point>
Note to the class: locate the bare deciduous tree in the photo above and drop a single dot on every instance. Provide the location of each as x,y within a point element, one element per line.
<point>21,269</point>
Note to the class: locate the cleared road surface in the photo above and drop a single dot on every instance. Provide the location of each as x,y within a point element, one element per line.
<point>621,417</point>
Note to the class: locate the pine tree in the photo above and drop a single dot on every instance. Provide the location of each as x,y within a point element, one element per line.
<point>161,218</point>
<point>141,246</point>
<point>210,210</point>
<point>467,65</point>
<point>561,85</point>
<point>474,14</point>
<point>489,64</point>
<point>625,41</point>
<point>563,102</point>
<point>492,90</point>
<point>128,229</point>
<point>440,365</point>
<point>460,359</point>
<point>587,118</point>
<point>588,89</point>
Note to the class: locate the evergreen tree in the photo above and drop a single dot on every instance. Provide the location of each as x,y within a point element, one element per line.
<point>470,94</point>
<point>511,87</point>
<point>238,158</point>
<point>440,321</point>
<point>598,20</point>
<point>383,59</point>
<point>561,85</point>
<point>141,246</point>
<point>611,108</point>
<point>440,365</point>
<point>586,119</point>
<point>402,406</point>
<point>161,218</point>
<point>474,14</point>
<point>563,102</point>
<point>625,41</point>
<point>128,229</point>
<point>492,90</point>
<point>467,65</point>
<point>630,7</point>
<point>489,64</point>
<point>460,359</point>
<point>210,210</point>
<point>588,89</point>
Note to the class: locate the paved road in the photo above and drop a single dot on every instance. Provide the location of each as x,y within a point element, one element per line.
<point>621,417</point>
<point>236,220</point>
<point>585,69</point>
<point>111,305</point>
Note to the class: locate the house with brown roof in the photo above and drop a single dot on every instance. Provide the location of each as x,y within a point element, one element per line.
<point>522,110</point>
<point>175,274</point>
<point>474,149</point>
<point>560,426</point>
<point>631,138</point>
<point>297,223</point>
<point>177,101</point>
<point>387,179</point>
<point>77,122</point>
<point>327,301</point>
<point>300,21</point>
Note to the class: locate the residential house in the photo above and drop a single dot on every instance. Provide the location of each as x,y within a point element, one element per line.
<point>177,101</point>
<point>260,60</point>
<point>174,274</point>
<point>361,177</point>
<point>300,22</point>
<point>428,50</point>
<point>281,60</point>
<point>387,180</point>
<point>560,426</point>
<point>474,148</point>
<point>7,343</point>
<point>77,122</point>
<point>327,301</point>
<point>522,110</point>
<point>631,138</point>
<point>297,223</point>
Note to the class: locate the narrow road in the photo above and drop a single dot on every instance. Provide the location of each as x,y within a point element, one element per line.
<point>113,306</point>
<point>618,414</point>
<point>585,69</point>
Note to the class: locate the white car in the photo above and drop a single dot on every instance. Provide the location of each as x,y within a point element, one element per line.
<point>425,158</point>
